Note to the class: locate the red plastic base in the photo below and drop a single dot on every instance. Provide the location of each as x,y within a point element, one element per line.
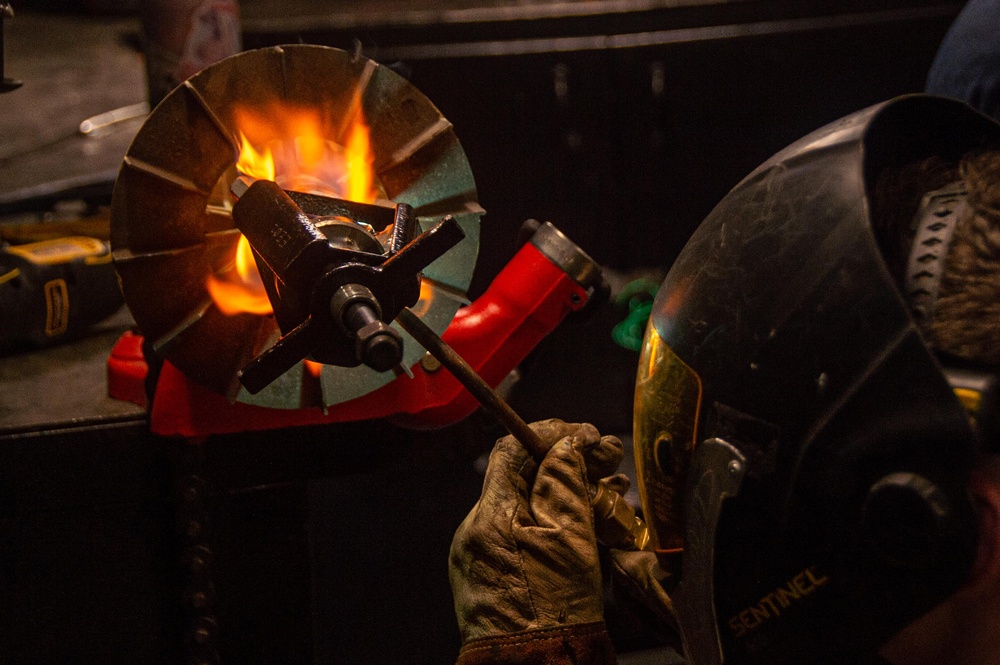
<point>127,370</point>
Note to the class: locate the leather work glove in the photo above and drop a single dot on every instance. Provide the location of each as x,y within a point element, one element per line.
<point>524,566</point>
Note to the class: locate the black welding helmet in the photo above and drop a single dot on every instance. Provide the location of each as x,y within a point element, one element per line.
<point>795,438</point>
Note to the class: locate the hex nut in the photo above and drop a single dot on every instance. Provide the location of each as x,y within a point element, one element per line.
<point>379,346</point>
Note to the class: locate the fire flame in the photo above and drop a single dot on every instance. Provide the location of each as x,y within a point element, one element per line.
<point>360,187</point>
<point>242,291</point>
<point>255,164</point>
<point>423,305</point>
<point>290,145</point>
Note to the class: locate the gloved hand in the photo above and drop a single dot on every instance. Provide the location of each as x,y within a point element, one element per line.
<point>525,557</point>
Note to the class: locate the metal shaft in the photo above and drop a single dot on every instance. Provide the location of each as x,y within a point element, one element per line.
<point>474,383</point>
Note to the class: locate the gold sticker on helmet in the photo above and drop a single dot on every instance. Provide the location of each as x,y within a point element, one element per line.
<point>667,402</point>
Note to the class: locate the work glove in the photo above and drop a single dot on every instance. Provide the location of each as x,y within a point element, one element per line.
<point>526,558</point>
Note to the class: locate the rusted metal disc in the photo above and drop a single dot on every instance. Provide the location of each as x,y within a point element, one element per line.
<point>171,229</point>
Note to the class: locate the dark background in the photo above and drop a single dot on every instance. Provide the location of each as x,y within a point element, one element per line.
<point>622,123</point>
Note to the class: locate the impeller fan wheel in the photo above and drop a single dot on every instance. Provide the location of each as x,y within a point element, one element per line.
<point>171,228</point>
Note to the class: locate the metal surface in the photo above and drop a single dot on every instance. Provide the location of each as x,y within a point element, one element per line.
<point>717,470</point>
<point>315,280</point>
<point>74,68</point>
<point>303,15</point>
<point>562,251</point>
<point>603,42</point>
<point>167,239</point>
<point>74,372</point>
<point>615,522</point>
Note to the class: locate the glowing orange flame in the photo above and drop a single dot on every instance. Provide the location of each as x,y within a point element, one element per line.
<point>423,305</point>
<point>314,368</point>
<point>242,291</point>
<point>359,165</point>
<point>258,165</point>
<point>291,146</point>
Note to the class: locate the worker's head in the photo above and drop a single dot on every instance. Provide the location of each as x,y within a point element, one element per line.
<point>806,398</point>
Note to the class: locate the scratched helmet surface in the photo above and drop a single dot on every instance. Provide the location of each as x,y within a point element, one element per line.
<point>798,446</point>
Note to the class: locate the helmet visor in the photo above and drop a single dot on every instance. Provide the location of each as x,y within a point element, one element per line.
<point>667,403</point>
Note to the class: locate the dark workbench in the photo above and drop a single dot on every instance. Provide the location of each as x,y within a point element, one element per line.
<point>64,384</point>
<point>72,68</point>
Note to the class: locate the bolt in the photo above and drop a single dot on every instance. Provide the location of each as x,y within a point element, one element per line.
<point>735,467</point>
<point>379,346</point>
<point>430,363</point>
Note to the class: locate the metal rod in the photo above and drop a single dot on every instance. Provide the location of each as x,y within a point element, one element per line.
<point>474,383</point>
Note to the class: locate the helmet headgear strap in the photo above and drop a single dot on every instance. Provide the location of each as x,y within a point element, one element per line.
<point>934,227</point>
<point>935,224</point>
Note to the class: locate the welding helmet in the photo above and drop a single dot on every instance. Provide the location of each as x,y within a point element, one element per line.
<point>799,448</point>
